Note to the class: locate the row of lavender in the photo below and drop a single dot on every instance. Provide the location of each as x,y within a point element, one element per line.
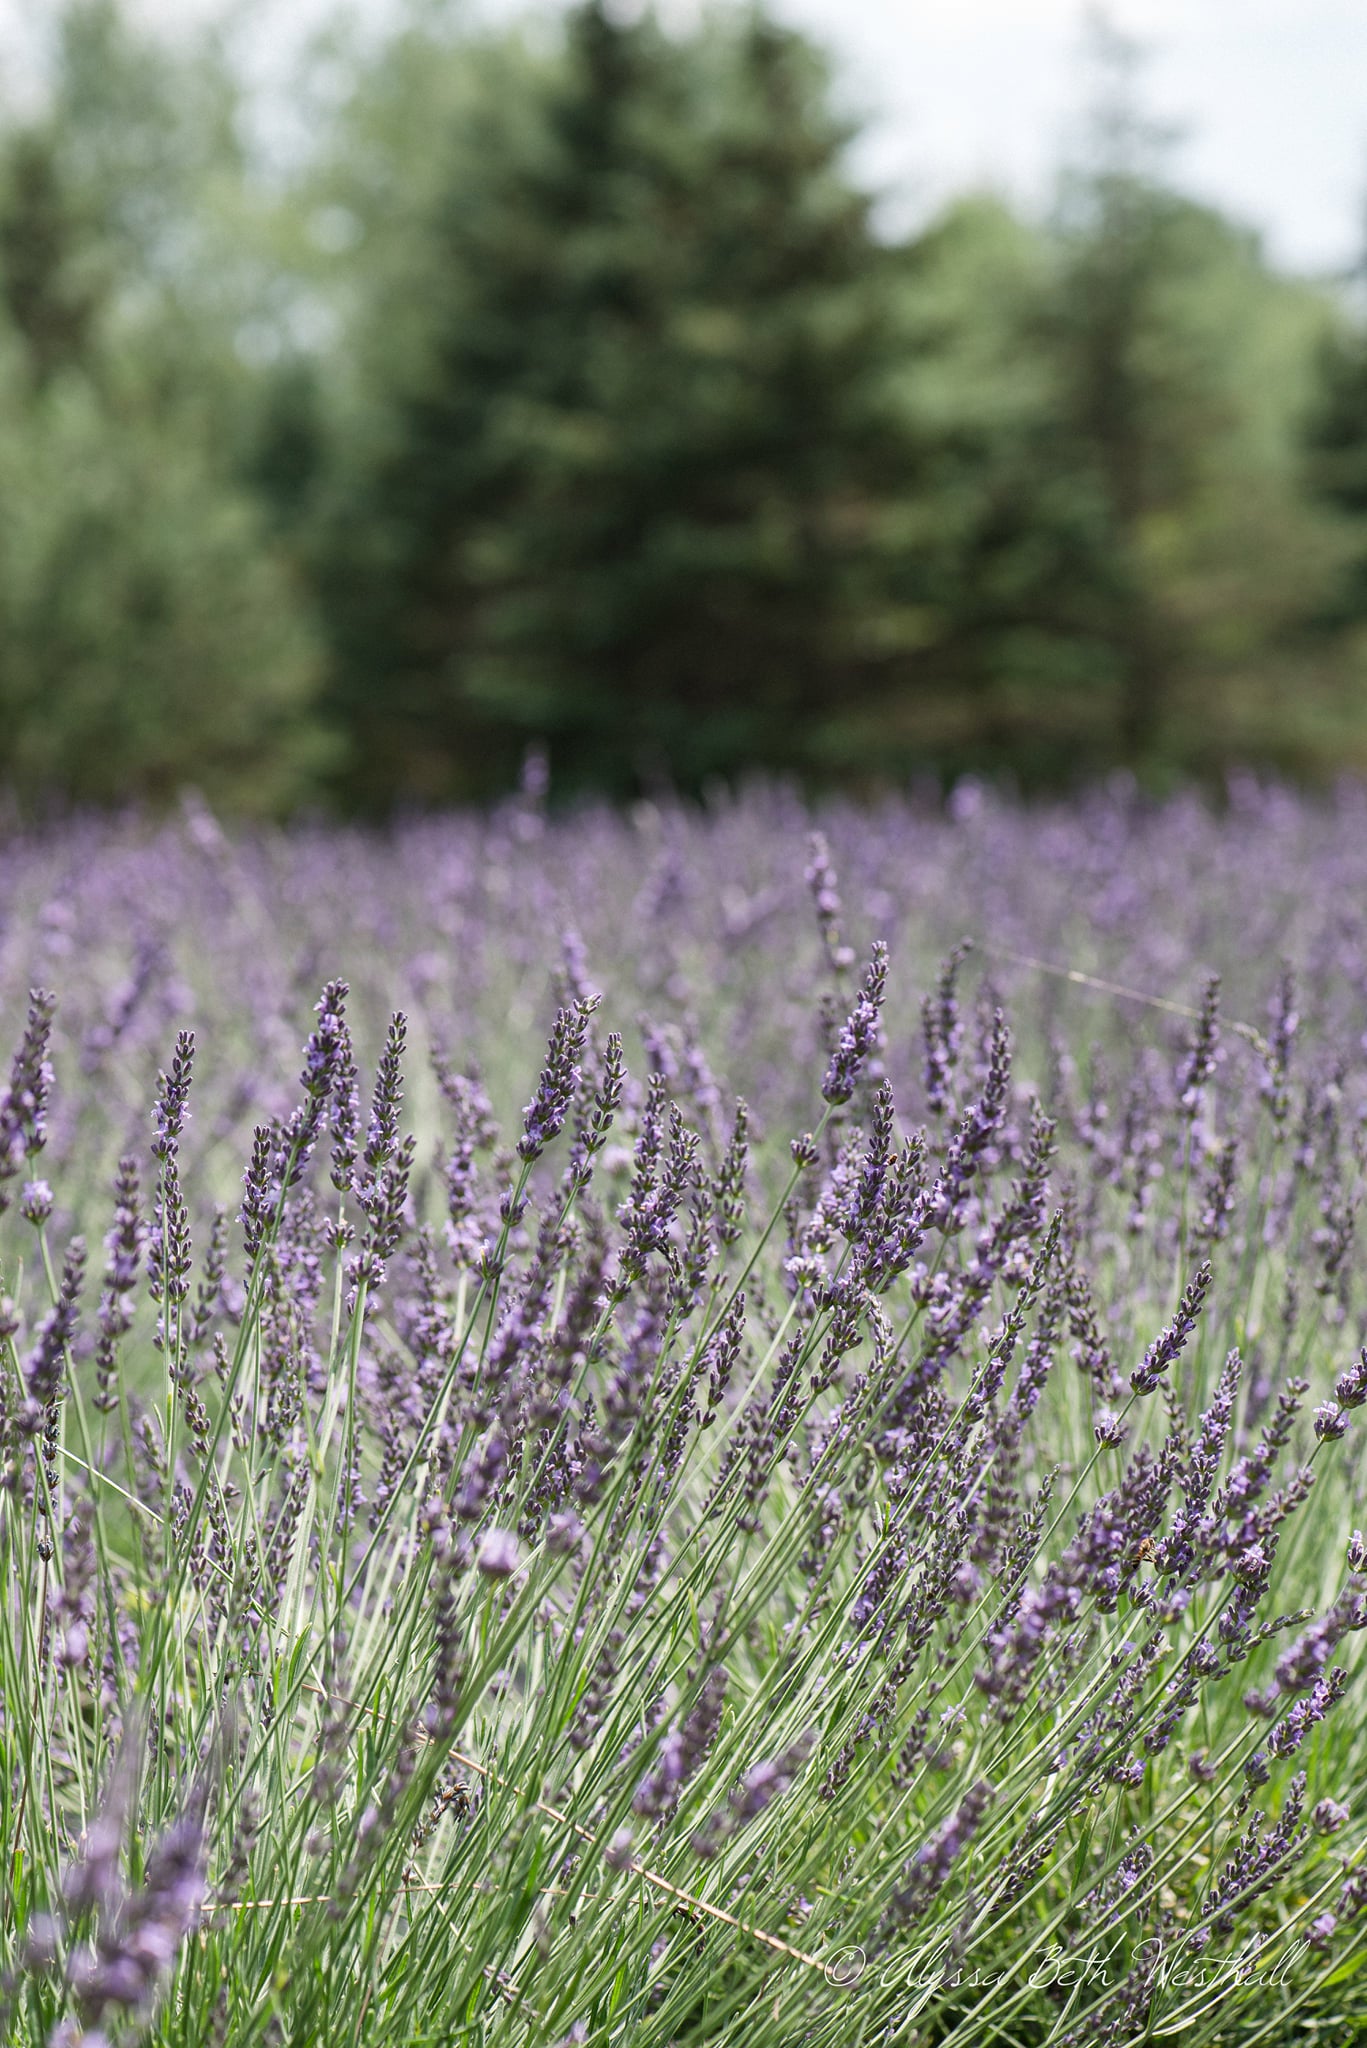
<point>877,1559</point>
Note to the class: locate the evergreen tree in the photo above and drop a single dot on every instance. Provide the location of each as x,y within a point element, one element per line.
<point>149,638</point>
<point>1181,365</point>
<point>52,283</point>
<point>1335,437</point>
<point>996,614</point>
<point>632,490</point>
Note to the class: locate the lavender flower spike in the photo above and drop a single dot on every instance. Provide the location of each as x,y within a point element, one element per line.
<point>1351,1386</point>
<point>140,1947</point>
<point>43,1368</point>
<point>860,1032</point>
<point>327,1057</point>
<point>820,879</point>
<point>1169,1347</point>
<point>546,1112</point>
<point>93,1879</point>
<point>931,1865</point>
<point>683,1749</point>
<point>23,1103</point>
<point>173,1095</point>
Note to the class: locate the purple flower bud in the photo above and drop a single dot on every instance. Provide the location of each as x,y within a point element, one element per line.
<point>965,1584</point>
<point>499,1553</point>
<point>93,1879</point>
<point>40,1942</point>
<point>145,1934</point>
<point>382,1132</point>
<point>45,1364</point>
<point>929,1869</point>
<point>859,1034</point>
<point>173,1096</point>
<point>1350,1388</point>
<point>329,1070</point>
<point>683,1749</point>
<point>1329,1816</point>
<point>23,1103</point>
<point>943,1032</point>
<point>1251,1566</point>
<point>820,879</point>
<point>35,1202</point>
<point>1330,1422</point>
<point>560,1078</point>
<point>74,1646</point>
<point>1167,1348</point>
<point>768,1781</point>
<point>1201,1057</point>
<point>761,1786</point>
<point>1289,1733</point>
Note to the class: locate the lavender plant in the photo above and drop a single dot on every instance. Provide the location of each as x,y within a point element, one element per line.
<point>878,1560</point>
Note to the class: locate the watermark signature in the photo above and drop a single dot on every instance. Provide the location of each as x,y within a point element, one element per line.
<point>1178,1966</point>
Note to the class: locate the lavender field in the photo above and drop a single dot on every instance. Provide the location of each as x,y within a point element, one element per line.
<point>686,1426</point>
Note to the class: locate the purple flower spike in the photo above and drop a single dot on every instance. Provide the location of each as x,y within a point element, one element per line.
<point>860,1033</point>
<point>820,879</point>
<point>683,1749</point>
<point>761,1786</point>
<point>141,1945</point>
<point>44,1366</point>
<point>930,1867</point>
<point>23,1104</point>
<point>1350,1388</point>
<point>173,1098</point>
<point>560,1077</point>
<point>1169,1347</point>
<point>328,1065</point>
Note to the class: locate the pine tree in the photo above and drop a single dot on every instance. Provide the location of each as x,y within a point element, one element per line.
<point>1335,433</point>
<point>1181,368</point>
<point>630,495</point>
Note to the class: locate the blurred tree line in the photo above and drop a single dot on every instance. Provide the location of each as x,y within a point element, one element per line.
<point>559,386</point>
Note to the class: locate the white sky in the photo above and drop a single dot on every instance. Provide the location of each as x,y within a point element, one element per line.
<point>1271,94</point>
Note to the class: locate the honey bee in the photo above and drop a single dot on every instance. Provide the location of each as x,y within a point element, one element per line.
<point>1144,1552</point>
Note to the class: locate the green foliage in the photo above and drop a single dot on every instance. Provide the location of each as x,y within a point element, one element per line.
<point>631,489</point>
<point>996,619</point>
<point>1183,365</point>
<point>651,450</point>
<point>147,640</point>
<point>148,637</point>
<point>1336,447</point>
<point>51,296</point>
<point>558,387</point>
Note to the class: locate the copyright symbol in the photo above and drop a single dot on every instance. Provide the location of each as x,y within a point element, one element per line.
<point>846,1966</point>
